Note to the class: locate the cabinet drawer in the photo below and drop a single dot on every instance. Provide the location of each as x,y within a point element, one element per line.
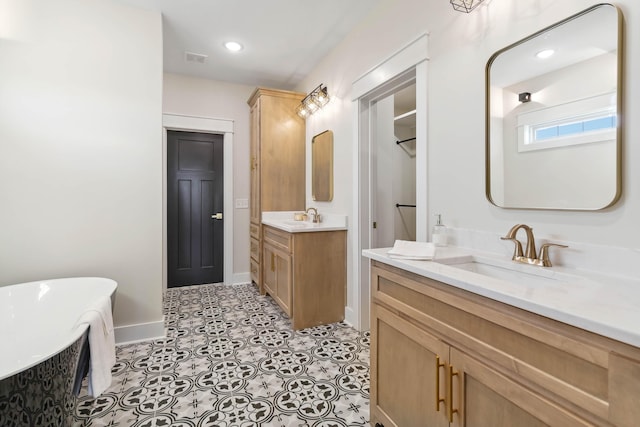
<point>553,356</point>
<point>254,249</point>
<point>278,238</point>
<point>254,230</point>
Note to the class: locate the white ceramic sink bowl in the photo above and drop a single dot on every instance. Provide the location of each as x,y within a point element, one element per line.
<point>508,270</point>
<point>299,224</point>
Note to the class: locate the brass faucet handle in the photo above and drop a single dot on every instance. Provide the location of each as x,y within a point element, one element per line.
<point>544,253</point>
<point>517,251</point>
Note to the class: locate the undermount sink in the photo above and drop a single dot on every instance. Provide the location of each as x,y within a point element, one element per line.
<point>506,270</point>
<point>299,224</point>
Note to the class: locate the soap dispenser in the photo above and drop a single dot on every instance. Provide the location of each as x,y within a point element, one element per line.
<point>439,234</point>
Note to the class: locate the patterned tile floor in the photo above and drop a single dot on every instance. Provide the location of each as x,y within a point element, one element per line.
<point>231,359</point>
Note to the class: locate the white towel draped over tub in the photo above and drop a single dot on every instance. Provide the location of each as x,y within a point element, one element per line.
<point>102,346</point>
<point>405,249</point>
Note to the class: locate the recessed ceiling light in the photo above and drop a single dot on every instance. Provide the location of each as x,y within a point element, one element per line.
<point>543,54</point>
<point>233,46</point>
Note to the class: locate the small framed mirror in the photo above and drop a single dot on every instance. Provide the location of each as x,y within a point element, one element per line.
<point>553,108</point>
<point>322,167</point>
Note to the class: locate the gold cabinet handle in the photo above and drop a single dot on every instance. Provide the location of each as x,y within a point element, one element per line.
<point>273,262</point>
<point>438,398</point>
<point>452,373</point>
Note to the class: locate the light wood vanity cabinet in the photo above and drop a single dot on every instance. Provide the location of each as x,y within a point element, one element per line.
<point>277,267</point>
<point>306,273</point>
<point>277,162</point>
<point>443,356</point>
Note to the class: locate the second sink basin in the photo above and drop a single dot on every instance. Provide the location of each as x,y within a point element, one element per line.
<point>506,270</point>
<point>299,224</point>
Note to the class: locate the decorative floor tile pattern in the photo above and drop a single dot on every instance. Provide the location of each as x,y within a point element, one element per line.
<point>231,359</point>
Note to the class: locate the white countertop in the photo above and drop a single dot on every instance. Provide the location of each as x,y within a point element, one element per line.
<point>606,305</point>
<point>285,221</point>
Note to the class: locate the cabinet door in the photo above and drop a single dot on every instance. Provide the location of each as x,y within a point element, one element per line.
<point>254,165</point>
<point>483,397</point>
<point>282,154</point>
<point>277,276</point>
<point>407,373</point>
<point>269,270</point>
<point>283,281</point>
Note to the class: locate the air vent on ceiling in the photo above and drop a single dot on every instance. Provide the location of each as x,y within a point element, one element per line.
<point>195,57</point>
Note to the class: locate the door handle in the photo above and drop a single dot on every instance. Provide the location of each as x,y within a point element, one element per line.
<point>217,215</point>
<point>438,398</point>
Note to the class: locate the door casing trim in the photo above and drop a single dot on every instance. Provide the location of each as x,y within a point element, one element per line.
<point>408,63</point>
<point>204,125</point>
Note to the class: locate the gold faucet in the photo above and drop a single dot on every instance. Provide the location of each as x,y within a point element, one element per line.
<point>529,256</point>
<point>316,216</point>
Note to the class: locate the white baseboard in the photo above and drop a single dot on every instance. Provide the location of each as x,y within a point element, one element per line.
<point>238,278</point>
<point>140,332</point>
<point>350,317</point>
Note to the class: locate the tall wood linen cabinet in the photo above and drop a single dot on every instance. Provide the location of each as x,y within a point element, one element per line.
<point>277,155</point>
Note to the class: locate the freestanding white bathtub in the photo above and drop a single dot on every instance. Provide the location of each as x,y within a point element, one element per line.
<point>42,344</point>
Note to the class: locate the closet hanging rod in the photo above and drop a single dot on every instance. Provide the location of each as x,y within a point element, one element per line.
<point>405,140</point>
<point>399,205</point>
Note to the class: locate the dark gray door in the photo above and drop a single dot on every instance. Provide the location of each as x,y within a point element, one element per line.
<point>194,208</point>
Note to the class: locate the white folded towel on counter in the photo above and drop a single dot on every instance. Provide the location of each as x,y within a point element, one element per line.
<point>102,346</point>
<point>405,249</point>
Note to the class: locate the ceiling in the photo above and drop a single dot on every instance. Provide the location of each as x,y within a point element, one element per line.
<point>283,39</point>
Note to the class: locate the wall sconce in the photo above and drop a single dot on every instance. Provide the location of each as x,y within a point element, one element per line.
<point>465,5</point>
<point>524,97</point>
<point>311,103</point>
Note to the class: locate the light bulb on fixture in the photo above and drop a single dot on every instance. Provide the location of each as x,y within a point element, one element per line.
<point>302,111</point>
<point>310,105</point>
<point>320,97</point>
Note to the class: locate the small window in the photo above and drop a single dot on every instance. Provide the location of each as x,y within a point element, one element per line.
<point>573,128</point>
<point>584,121</point>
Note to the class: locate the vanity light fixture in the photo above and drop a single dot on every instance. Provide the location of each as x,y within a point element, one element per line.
<point>524,97</point>
<point>465,5</point>
<point>314,101</point>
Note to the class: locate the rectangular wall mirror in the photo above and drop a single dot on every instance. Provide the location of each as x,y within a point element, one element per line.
<point>322,167</point>
<point>553,108</point>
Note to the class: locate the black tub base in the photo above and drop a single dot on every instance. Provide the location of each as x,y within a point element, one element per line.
<point>43,395</point>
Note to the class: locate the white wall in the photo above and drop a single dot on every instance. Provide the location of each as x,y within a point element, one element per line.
<point>80,148</point>
<point>198,97</point>
<point>459,46</point>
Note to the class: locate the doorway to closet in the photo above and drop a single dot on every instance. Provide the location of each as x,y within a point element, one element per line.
<point>405,68</point>
<point>394,168</point>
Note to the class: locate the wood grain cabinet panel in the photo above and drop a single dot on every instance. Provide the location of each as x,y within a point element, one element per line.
<point>504,366</point>
<point>276,159</point>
